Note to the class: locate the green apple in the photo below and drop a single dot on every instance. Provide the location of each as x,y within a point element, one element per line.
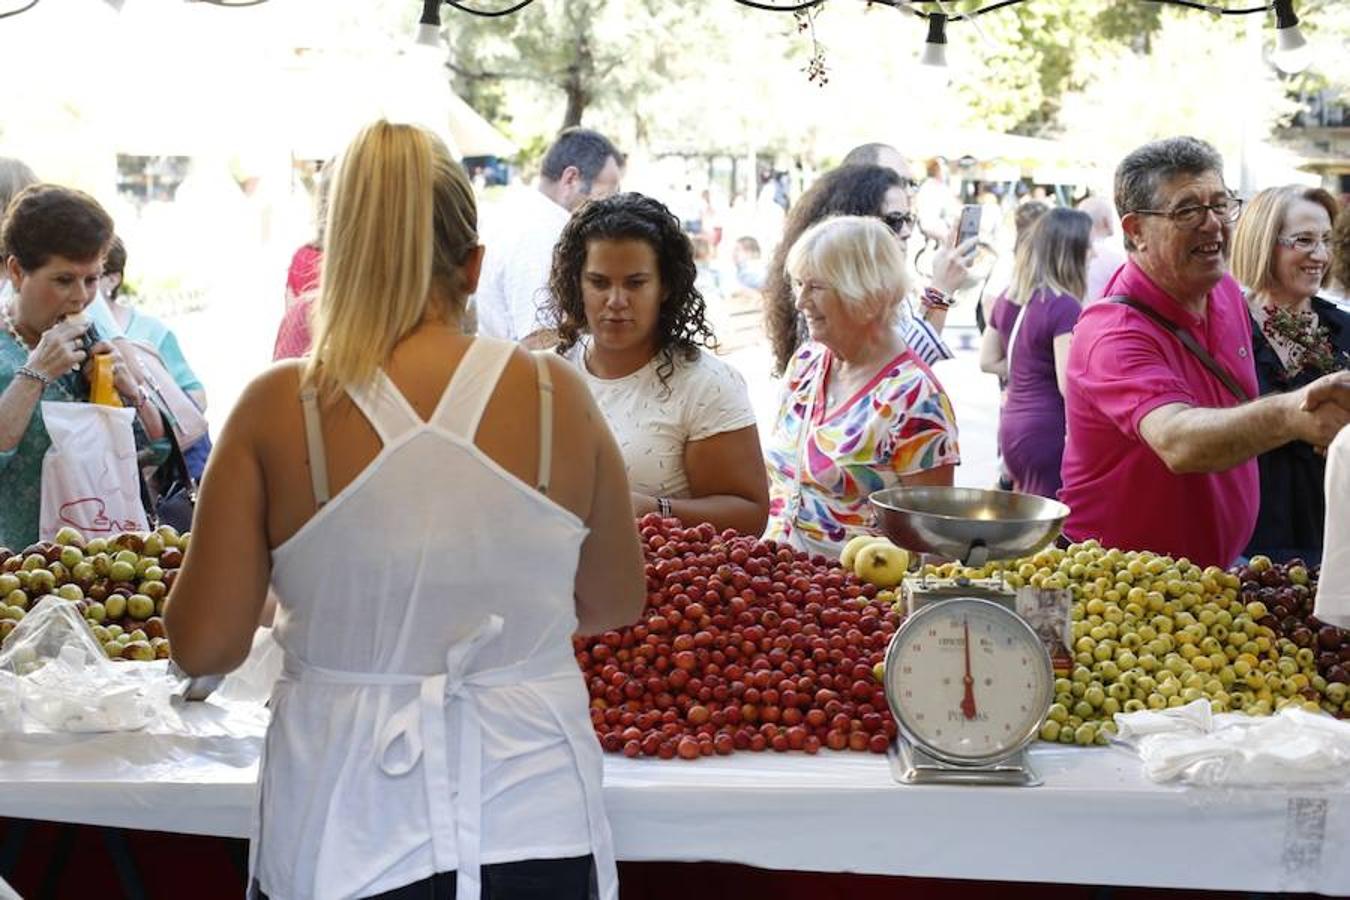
<point>139,634</point>
<point>96,546</point>
<point>41,581</point>
<point>139,606</point>
<point>34,561</point>
<point>113,649</point>
<point>69,537</point>
<point>121,571</point>
<point>129,557</point>
<point>154,544</point>
<point>8,582</point>
<point>139,650</point>
<point>114,631</point>
<point>70,592</point>
<point>71,557</point>
<point>116,605</point>
<point>96,613</point>
<point>153,573</point>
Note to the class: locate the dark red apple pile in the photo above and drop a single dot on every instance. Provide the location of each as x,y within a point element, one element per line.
<point>744,645</point>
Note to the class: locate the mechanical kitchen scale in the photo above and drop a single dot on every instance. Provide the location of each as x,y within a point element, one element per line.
<point>968,680</point>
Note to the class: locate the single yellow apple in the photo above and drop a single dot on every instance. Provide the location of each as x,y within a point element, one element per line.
<point>849,555</point>
<point>881,563</point>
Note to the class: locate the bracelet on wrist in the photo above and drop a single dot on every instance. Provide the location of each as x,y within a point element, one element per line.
<point>663,507</point>
<point>935,299</point>
<point>34,374</point>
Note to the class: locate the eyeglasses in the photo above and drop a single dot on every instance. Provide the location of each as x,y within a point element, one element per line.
<point>1304,243</point>
<point>900,223</point>
<point>1192,216</point>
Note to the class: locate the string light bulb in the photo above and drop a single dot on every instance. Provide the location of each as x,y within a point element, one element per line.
<point>1292,53</point>
<point>935,45</point>
<point>429,26</point>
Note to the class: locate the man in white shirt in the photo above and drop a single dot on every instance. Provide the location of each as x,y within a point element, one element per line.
<point>520,234</point>
<point>1108,248</point>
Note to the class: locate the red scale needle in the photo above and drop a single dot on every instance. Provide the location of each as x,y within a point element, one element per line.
<point>968,702</point>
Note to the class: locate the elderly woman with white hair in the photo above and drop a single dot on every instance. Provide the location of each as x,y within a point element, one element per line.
<point>859,411</point>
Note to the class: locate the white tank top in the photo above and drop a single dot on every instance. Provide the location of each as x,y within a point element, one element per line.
<point>431,716</point>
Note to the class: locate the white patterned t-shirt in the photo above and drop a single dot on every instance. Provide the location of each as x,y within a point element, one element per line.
<point>652,425</point>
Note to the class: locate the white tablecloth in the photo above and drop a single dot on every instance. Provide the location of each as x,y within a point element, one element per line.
<point>1094,821</point>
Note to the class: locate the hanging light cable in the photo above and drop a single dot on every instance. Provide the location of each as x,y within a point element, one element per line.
<point>935,45</point>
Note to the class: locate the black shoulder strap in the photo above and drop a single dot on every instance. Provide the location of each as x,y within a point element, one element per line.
<point>1190,343</point>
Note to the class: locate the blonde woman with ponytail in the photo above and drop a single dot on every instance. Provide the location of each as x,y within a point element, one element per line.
<point>434,542</point>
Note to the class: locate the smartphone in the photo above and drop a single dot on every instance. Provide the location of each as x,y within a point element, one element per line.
<point>969,226</point>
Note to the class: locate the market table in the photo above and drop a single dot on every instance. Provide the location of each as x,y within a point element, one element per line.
<point>1096,820</point>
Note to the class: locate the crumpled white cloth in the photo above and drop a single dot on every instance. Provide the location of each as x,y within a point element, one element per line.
<point>1192,745</point>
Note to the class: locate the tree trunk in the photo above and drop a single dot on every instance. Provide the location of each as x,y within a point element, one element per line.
<point>578,98</point>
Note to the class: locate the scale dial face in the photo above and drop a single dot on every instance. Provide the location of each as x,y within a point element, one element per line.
<point>968,707</point>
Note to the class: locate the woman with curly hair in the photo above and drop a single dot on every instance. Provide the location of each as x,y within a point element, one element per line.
<point>861,190</point>
<point>630,318</point>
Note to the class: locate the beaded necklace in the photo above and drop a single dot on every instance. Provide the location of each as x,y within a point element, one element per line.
<point>57,383</point>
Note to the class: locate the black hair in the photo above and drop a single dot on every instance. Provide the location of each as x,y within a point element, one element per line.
<point>681,324</point>
<point>583,149</point>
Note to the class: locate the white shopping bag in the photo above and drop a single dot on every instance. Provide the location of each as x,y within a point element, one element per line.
<point>1333,588</point>
<point>89,477</point>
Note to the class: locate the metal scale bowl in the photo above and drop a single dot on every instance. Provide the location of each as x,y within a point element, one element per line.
<point>967,679</point>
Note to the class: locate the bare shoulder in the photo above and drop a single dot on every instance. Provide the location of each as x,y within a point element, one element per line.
<point>273,390</point>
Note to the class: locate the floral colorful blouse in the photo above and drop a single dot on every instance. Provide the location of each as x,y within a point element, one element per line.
<point>823,464</point>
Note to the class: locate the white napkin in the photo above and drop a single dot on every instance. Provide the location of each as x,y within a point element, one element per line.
<point>1294,746</point>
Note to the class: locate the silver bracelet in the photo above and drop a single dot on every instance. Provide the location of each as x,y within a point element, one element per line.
<point>34,374</point>
<point>663,507</point>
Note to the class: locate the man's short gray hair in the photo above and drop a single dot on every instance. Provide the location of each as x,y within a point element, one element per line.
<point>1140,174</point>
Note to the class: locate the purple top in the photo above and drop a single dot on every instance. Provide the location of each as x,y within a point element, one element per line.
<point>1031,429</point>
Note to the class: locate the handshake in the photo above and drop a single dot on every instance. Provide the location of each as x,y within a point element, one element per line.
<point>1323,409</point>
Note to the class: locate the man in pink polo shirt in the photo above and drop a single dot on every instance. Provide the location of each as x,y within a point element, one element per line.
<point>1161,454</point>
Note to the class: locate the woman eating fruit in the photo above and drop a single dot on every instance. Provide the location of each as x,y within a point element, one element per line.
<point>434,542</point>
<point>631,320</point>
<point>54,241</point>
<point>859,412</point>
<point>1282,255</point>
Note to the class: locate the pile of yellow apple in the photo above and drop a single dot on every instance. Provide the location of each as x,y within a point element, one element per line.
<point>875,560</point>
<point>1151,632</point>
<point>118,583</point>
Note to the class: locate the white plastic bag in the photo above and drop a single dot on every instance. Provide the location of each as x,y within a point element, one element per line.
<point>1333,588</point>
<point>89,477</point>
<point>54,676</point>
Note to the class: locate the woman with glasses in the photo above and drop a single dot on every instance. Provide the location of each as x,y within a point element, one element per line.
<point>859,411</point>
<point>1038,314</point>
<point>1282,255</point>
<point>860,190</point>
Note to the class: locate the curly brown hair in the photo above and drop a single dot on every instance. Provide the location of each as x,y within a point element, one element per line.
<point>681,324</point>
<point>854,190</point>
<point>1340,250</point>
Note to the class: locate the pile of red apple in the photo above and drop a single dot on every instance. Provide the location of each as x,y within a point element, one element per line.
<point>1288,592</point>
<point>744,644</point>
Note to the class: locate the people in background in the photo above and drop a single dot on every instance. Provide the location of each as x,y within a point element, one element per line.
<point>1339,289</point>
<point>140,326</point>
<point>408,467</point>
<point>863,190</point>
<point>1038,316</point>
<point>15,175</point>
<point>1108,251</point>
<point>630,317</point>
<point>1282,256</point>
<point>750,268</point>
<point>859,410</point>
<point>302,281</point>
<point>520,234</point>
<point>1161,448</point>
